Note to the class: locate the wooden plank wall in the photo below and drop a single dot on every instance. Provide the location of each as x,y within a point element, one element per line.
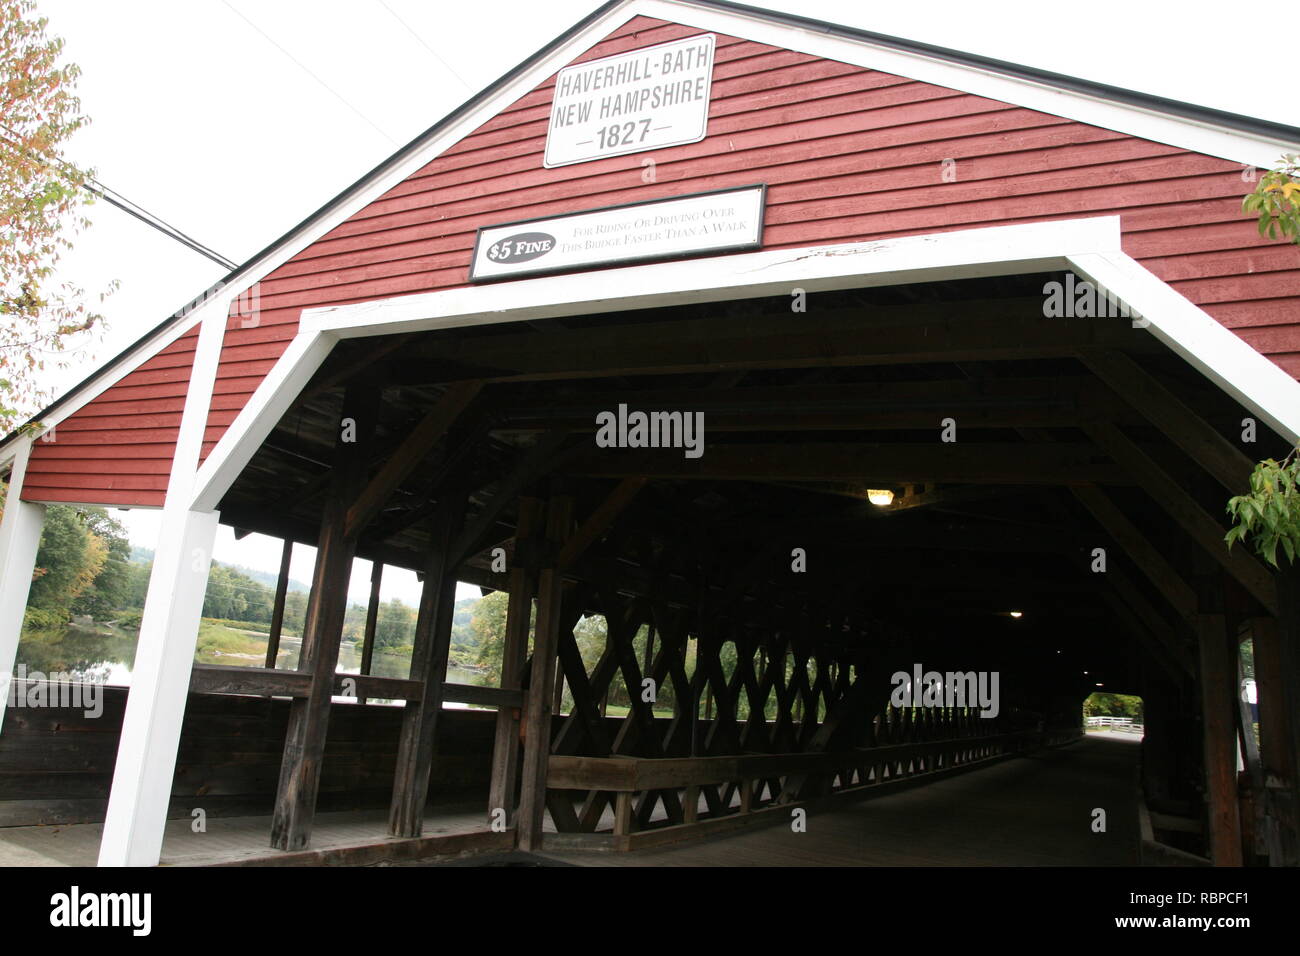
<point>849,154</point>
<point>118,449</point>
<point>56,765</point>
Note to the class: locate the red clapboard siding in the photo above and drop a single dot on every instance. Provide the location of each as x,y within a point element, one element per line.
<point>849,154</point>
<point>117,450</point>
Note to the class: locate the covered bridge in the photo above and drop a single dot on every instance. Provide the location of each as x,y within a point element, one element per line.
<point>634,332</point>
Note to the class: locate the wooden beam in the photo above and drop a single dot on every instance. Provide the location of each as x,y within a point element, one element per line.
<point>1277,669</point>
<point>1219,738</point>
<point>372,616</point>
<point>369,353</point>
<point>251,681</point>
<point>906,418</point>
<point>267,682</point>
<point>277,609</point>
<point>964,462</point>
<point>304,745</point>
<point>1165,635</point>
<point>1176,667</point>
<point>403,461</point>
<point>1003,329</point>
<point>1083,395</point>
<point>519,612</point>
<point>1145,555</point>
<point>500,698</point>
<point>1192,433</point>
<point>599,521</point>
<point>1187,512</point>
<point>1125,599</point>
<point>532,465</point>
<point>537,716</point>
<point>1276,721</point>
<point>429,665</point>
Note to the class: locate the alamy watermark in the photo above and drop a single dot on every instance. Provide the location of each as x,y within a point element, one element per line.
<point>949,689</point>
<point>624,429</point>
<point>245,306</point>
<point>75,908</point>
<point>34,689</point>
<point>1082,299</point>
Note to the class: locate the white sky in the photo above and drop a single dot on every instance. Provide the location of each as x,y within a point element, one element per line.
<point>202,120</point>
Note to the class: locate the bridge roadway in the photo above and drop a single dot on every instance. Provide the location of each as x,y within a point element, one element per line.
<point>1035,810</point>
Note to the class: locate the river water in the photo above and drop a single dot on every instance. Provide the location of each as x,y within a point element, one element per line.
<point>88,655</point>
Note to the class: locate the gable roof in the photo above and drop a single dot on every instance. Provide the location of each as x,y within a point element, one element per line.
<point>1228,135</point>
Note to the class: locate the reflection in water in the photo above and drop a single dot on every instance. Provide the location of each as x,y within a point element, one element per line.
<point>81,654</point>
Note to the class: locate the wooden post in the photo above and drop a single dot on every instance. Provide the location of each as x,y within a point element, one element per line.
<point>1219,737</point>
<point>277,609</point>
<point>20,539</point>
<point>1284,695</point>
<point>623,813</point>
<point>155,708</point>
<point>428,664</point>
<point>557,702</point>
<point>372,619</point>
<point>304,744</point>
<point>691,804</point>
<point>537,713</point>
<point>519,611</point>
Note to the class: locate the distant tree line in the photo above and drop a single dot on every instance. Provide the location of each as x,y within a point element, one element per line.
<point>1101,704</point>
<point>84,567</point>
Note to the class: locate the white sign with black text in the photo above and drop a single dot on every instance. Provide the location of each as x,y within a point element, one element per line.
<point>718,221</point>
<point>645,99</point>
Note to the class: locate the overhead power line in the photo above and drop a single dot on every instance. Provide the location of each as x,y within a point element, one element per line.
<point>115,198</point>
<point>420,40</point>
<point>302,66</point>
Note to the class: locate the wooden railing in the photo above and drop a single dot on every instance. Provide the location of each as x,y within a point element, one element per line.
<point>268,682</point>
<point>701,794</point>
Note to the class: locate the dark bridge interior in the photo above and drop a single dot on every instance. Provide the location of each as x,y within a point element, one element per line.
<point>1084,490</point>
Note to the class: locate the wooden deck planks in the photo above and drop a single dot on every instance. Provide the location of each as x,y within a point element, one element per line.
<point>228,839</point>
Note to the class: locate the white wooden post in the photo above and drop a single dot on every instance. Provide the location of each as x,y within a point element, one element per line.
<point>169,628</point>
<point>20,536</point>
<point>160,683</point>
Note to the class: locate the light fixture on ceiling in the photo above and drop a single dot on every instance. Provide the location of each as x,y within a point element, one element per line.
<point>880,496</point>
<point>1016,613</point>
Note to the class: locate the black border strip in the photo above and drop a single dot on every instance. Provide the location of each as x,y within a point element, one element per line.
<point>625,260</point>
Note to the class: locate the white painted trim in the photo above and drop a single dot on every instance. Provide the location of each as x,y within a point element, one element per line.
<point>1159,127</point>
<point>966,253</point>
<point>999,250</point>
<point>96,504</point>
<point>1096,111</point>
<point>169,627</point>
<point>160,683</point>
<point>1091,247</point>
<point>1192,333</point>
<point>20,538</point>
<point>274,395</point>
<point>970,253</point>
